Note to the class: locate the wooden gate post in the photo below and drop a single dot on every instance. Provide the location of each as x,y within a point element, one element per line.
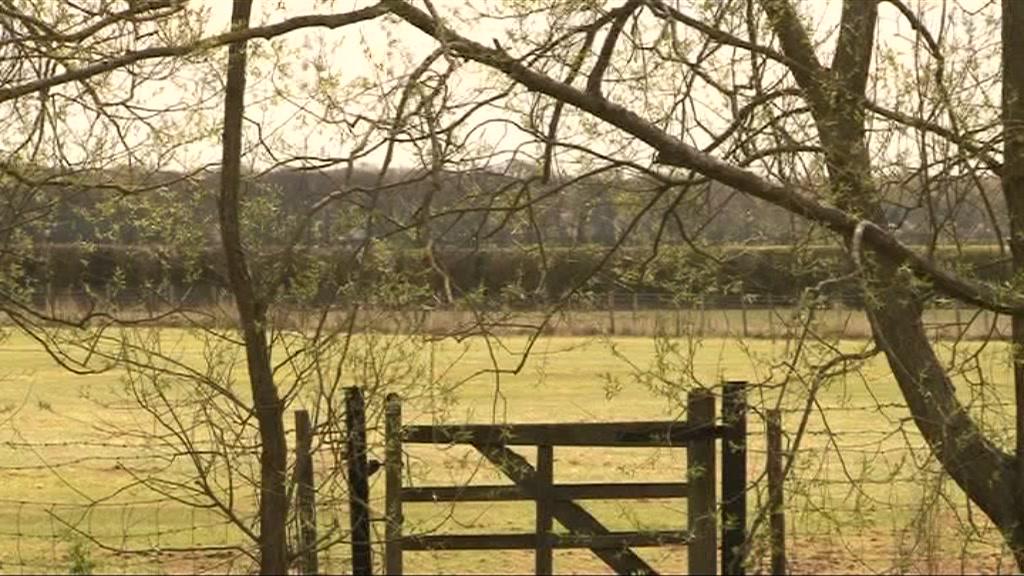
<point>734,477</point>
<point>393,485</point>
<point>305,494</point>
<point>544,497</point>
<point>358,482</point>
<point>777,516</point>
<point>703,324</point>
<point>611,311</point>
<point>700,470</point>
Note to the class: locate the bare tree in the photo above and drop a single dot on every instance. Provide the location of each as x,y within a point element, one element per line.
<point>814,155</point>
<point>91,76</point>
<point>745,93</point>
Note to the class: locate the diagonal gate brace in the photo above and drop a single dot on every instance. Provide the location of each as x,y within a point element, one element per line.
<point>570,514</point>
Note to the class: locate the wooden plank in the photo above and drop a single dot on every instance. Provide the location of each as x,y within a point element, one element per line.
<point>506,493</point>
<point>611,541</point>
<point>464,494</point>
<point>544,565</point>
<point>777,518</point>
<point>305,494</point>
<point>611,434</point>
<point>393,492</point>
<point>622,540</point>
<point>614,491</point>
<point>700,469</point>
<point>471,542</point>
<point>571,515</point>
<point>734,478</point>
<point>358,482</point>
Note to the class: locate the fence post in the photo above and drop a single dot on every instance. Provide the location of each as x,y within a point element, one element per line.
<point>734,477</point>
<point>544,497</point>
<point>700,470</point>
<point>305,493</point>
<point>433,361</point>
<point>703,326</point>
<point>743,315</point>
<point>358,482</point>
<point>611,312</point>
<point>393,485</point>
<point>777,519</point>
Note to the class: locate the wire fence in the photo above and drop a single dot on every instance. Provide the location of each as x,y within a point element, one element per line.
<point>877,501</point>
<point>614,313</point>
<point>204,295</point>
<point>856,500</point>
<point>864,493</point>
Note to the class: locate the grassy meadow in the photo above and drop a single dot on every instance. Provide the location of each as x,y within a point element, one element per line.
<point>864,495</point>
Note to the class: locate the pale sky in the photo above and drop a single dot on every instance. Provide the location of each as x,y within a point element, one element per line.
<point>295,78</point>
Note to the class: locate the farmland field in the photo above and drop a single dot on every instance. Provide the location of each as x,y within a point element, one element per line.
<point>863,494</point>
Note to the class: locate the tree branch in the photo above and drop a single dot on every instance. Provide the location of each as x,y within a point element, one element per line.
<point>674,152</point>
<point>982,151</point>
<point>665,11</point>
<point>802,62</point>
<point>604,58</point>
<point>270,31</point>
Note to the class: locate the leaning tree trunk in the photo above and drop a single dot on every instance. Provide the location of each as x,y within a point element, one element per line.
<point>836,94</point>
<point>273,502</point>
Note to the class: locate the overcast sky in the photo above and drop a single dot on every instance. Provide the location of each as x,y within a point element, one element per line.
<point>287,91</point>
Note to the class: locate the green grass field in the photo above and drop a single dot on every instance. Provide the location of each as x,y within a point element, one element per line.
<point>863,489</point>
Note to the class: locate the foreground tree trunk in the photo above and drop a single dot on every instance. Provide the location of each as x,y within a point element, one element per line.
<point>985,473</point>
<point>252,314</point>
<point>1013,192</point>
<point>837,95</point>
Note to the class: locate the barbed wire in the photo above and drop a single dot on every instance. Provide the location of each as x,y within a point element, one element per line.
<point>623,299</point>
<point>815,515</point>
<point>872,492</point>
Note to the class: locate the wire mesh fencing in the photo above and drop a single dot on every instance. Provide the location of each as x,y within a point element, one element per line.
<point>863,493</point>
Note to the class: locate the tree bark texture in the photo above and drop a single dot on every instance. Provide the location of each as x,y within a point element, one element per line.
<point>1013,192</point>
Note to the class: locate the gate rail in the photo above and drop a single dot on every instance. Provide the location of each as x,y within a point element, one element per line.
<point>558,501</point>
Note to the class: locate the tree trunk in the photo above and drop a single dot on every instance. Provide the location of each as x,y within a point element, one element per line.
<point>1013,192</point>
<point>273,503</point>
<point>985,473</point>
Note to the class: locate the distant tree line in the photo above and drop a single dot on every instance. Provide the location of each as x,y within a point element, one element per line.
<point>513,277</point>
<point>591,211</point>
<point>721,245</point>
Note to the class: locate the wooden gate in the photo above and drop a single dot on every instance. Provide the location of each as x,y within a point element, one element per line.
<point>559,501</point>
